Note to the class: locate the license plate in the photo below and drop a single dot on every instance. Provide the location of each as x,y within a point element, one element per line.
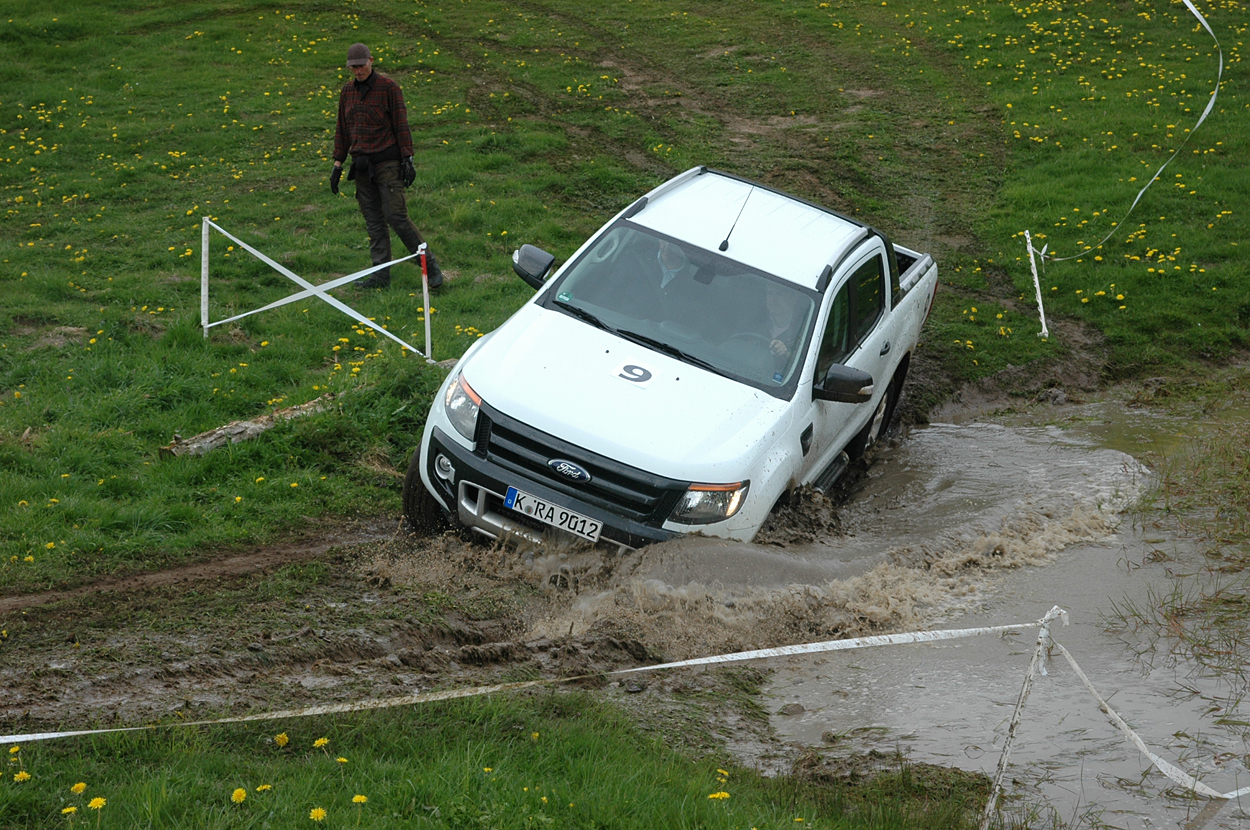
<point>552,514</point>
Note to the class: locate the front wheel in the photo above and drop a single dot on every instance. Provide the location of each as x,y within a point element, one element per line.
<point>423,512</point>
<point>877,426</point>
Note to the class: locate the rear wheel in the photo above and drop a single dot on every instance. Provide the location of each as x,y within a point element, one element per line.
<point>423,512</point>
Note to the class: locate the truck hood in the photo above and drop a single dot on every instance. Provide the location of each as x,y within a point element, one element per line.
<point>568,378</point>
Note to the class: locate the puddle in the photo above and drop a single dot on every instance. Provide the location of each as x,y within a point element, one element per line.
<point>979,523</point>
<point>951,703</point>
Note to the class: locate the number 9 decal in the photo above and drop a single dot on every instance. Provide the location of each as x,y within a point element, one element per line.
<point>634,374</point>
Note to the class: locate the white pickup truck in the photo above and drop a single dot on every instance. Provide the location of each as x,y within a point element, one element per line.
<point>715,345</point>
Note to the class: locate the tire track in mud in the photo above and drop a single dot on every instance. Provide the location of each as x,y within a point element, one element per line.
<point>206,638</point>
<point>261,559</point>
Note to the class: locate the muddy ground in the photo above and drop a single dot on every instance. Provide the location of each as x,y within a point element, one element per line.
<point>362,608</point>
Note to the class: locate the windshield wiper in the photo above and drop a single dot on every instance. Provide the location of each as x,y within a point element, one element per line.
<point>583,314</point>
<point>671,350</point>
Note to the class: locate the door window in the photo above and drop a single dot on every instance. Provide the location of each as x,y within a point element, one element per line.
<point>853,313</point>
<point>836,344</point>
<point>868,283</point>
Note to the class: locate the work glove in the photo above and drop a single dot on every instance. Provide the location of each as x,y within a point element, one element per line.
<point>334,179</point>
<point>407,172</point>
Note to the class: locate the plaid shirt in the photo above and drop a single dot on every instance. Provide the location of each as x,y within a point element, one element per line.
<point>372,117</point>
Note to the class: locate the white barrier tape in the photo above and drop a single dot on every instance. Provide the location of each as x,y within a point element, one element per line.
<point>1219,75</point>
<point>310,290</point>
<point>1037,283</point>
<point>843,645</point>
<point>1171,771</point>
<point>308,711</point>
<point>429,697</point>
<point>1036,666</point>
<point>1210,105</point>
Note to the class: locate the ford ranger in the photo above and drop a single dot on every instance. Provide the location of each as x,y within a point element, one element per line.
<point>715,345</point>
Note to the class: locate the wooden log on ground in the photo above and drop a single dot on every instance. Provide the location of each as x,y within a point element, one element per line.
<point>236,431</point>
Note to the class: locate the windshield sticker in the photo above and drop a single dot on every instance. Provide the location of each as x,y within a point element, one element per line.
<point>635,374</point>
<point>564,296</point>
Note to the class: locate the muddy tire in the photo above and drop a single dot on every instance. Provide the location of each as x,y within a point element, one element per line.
<point>422,511</point>
<point>879,424</point>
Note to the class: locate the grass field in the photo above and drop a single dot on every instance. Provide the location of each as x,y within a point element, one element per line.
<point>955,127</point>
<point>541,761</point>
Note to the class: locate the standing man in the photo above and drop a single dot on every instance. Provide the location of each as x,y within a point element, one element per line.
<point>373,127</point>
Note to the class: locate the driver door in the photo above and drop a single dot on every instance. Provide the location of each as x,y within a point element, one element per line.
<point>853,336</point>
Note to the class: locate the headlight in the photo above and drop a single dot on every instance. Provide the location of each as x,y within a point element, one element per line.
<point>462,405</point>
<point>706,503</point>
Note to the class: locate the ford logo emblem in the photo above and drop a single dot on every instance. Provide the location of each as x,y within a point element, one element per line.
<point>569,470</point>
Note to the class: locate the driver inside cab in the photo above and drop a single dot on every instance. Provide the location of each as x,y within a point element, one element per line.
<point>781,322</point>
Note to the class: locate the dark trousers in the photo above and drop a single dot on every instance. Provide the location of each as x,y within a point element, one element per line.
<point>381,200</point>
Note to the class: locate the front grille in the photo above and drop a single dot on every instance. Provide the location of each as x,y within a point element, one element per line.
<point>619,488</point>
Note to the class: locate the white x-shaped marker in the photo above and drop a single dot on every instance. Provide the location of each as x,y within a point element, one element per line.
<point>310,290</point>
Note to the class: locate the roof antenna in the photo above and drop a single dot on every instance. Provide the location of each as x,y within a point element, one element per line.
<point>724,246</point>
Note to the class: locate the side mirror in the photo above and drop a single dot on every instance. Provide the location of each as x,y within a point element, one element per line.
<point>532,264</point>
<point>844,385</point>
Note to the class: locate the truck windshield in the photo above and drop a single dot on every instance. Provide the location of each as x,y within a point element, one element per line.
<point>692,304</point>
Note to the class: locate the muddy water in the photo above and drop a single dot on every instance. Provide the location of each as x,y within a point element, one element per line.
<point>955,484</point>
<point>980,522</point>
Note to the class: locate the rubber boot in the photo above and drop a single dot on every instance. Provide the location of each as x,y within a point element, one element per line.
<point>434,273</point>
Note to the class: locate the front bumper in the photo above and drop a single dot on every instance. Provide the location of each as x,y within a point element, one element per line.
<point>631,505</point>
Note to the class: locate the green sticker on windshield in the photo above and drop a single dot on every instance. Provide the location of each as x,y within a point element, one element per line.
<point>564,296</point>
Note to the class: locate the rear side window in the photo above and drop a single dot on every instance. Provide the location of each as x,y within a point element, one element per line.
<point>868,283</point>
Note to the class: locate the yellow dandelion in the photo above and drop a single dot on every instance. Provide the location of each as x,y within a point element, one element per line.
<point>21,777</point>
<point>533,736</point>
<point>341,760</point>
<point>320,742</point>
<point>78,788</point>
<point>359,799</point>
<point>317,814</point>
<point>263,787</point>
<point>238,795</point>
<point>281,739</point>
<point>69,811</point>
<point>488,769</point>
<point>13,750</point>
<point>97,803</point>
<point>721,795</point>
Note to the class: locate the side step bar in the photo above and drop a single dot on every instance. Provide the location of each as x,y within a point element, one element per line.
<point>832,473</point>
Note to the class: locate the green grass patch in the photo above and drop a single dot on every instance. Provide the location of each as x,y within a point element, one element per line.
<point>544,760</point>
<point>952,128</point>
